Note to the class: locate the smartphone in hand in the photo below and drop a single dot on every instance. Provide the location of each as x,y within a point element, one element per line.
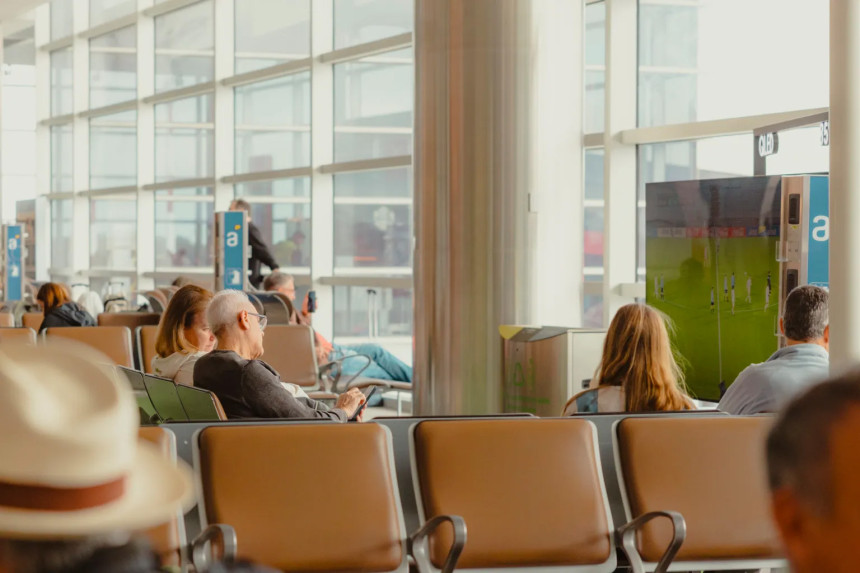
<point>368,392</point>
<point>312,301</point>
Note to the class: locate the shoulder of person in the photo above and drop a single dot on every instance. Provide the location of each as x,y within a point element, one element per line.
<point>257,370</point>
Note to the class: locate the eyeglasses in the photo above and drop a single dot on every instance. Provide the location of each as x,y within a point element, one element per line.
<point>261,319</point>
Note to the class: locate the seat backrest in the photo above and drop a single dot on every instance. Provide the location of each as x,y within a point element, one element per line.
<point>257,479</point>
<point>529,490</point>
<point>157,300</point>
<point>165,398</point>
<point>32,320</point>
<point>709,469</point>
<point>7,320</point>
<point>200,404</point>
<point>134,377</point>
<point>289,349</point>
<point>145,341</point>
<point>129,319</point>
<point>27,335</point>
<point>166,539</point>
<point>113,341</point>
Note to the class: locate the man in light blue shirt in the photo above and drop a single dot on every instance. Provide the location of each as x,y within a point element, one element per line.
<point>803,362</point>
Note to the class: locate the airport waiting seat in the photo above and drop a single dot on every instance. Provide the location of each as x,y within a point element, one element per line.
<point>147,412</point>
<point>200,405</point>
<point>157,300</point>
<point>145,342</point>
<point>166,539</point>
<point>529,490</point>
<point>32,320</point>
<point>289,349</point>
<point>112,341</point>
<point>23,335</point>
<point>165,398</point>
<point>130,319</point>
<point>7,320</point>
<point>710,470</point>
<point>356,526</point>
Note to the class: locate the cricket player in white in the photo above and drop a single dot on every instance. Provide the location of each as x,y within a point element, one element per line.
<point>749,289</point>
<point>733,301</point>
<point>766,297</point>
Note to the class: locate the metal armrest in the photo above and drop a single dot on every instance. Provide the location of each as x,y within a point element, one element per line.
<point>350,377</point>
<point>200,558</point>
<point>418,549</point>
<point>626,535</point>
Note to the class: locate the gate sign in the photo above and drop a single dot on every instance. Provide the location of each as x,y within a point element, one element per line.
<point>14,265</point>
<point>818,262</point>
<point>234,249</point>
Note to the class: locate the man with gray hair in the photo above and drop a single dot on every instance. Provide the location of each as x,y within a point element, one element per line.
<point>804,361</point>
<point>812,463</point>
<point>248,387</point>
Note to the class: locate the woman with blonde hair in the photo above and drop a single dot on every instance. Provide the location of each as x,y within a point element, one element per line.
<point>183,335</point>
<point>637,372</point>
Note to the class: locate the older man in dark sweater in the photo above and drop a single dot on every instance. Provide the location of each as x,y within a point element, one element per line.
<point>247,387</point>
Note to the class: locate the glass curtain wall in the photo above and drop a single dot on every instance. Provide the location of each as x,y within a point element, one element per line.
<point>179,119</point>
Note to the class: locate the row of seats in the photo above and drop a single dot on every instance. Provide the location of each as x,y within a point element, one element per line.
<point>130,319</point>
<point>531,493</point>
<point>162,400</point>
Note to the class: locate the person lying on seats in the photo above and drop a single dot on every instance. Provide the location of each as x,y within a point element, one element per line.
<point>77,486</point>
<point>248,387</point>
<point>383,366</point>
<point>812,463</point>
<point>804,361</point>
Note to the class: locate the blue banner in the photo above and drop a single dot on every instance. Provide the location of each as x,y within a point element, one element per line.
<point>234,250</point>
<point>14,270</point>
<point>818,262</point>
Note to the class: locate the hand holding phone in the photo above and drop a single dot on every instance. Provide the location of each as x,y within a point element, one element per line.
<point>312,301</point>
<point>368,392</point>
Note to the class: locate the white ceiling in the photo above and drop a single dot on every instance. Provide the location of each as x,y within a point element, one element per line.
<point>10,9</point>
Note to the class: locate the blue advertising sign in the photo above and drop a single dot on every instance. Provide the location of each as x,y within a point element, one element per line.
<point>14,270</point>
<point>818,262</point>
<point>234,250</point>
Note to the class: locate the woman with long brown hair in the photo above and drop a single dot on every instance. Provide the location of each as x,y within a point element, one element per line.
<point>58,308</point>
<point>638,371</point>
<point>183,335</point>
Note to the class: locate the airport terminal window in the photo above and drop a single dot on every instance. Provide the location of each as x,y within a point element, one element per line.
<point>293,187</point>
<point>61,233</point>
<point>595,66</point>
<point>113,233</point>
<point>183,228</point>
<point>61,19</point>
<point>113,150</point>
<point>703,61</point>
<point>61,82</point>
<point>379,183</point>
<point>113,67</point>
<point>185,139</point>
<point>357,308</point>
<point>373,107</point>
<point>102,11</point>
<point>62,158</point>
<point>273,124</point>
<point>372,235</point>
<point>185,47</point>
<point>271,32</point>
<point>359,21</point>
<point>593,208</point>
<point>287,228</point>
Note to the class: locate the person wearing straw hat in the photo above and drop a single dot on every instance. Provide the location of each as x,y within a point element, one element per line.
<point>75,481</point>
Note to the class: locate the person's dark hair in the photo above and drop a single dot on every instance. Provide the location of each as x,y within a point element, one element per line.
<point>241,205</point>
<point>52,295</point>
<point>805,315</point>
<point>276,279</point>
<point>798,446</point>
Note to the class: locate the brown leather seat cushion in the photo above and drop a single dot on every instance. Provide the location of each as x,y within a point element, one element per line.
<point>164,538</point>
<point>113,341</point>
<point>712,471</point>
<point>529,490</point>
<point>32,320</point>
<point>27,335</point>
<point>7,320</point>
<point>289,349</point>
<point>258,479</point>
<point>129,319</point>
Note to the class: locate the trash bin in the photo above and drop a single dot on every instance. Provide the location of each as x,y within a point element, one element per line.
<point>544,366</point>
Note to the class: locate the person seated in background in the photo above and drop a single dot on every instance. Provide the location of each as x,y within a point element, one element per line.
<point>183,335</point>
<point>804,361</point>
<point>383,364</point>
<point>812,464</point>
<point>58,308</point>
<point>248,387</point>
<point>637,371</point>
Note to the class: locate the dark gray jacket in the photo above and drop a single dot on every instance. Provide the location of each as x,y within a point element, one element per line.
<point>252,389</point>
<point>69,314</point>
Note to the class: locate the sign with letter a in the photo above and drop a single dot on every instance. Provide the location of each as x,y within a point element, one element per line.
<point>14,265</point>
<point>234,250</point>
<point>818,265</point>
